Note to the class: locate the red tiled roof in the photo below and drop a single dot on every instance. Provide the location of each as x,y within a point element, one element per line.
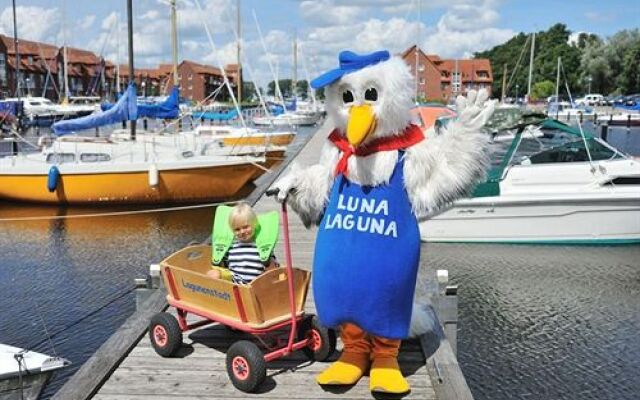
<point>79,56</point>
<point>28,47</point>
<point>468,69</point>
<point>202,69</point>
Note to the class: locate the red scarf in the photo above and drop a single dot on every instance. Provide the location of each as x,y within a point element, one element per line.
<point>410,136</point>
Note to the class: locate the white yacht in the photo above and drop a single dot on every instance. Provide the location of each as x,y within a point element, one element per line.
<point>579,190</point>
<point>566,112</point>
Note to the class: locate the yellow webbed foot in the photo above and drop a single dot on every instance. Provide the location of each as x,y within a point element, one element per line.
<point>385,377</point>
<point>346,371</point>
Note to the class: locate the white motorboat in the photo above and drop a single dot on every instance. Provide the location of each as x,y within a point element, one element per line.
<point>567,112</point>
<point>623,119</point>
<point>24,373</point>
<point>555,195</point>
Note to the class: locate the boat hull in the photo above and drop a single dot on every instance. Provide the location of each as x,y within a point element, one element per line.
<point>596,221</point>
<point>183,185</point>
<point>262,140</point>
<point>29,389</point>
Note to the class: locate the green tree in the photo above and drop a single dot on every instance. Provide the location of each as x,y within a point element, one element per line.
<point>542,90</point>
<point>630,78</point>
<point>285,87</point>
<point>550,45</point>
<point>249,91</point>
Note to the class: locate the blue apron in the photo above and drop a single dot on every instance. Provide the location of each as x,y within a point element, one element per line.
<point>366,257</point>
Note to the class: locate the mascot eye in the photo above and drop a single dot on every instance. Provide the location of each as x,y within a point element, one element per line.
<point>347,96</point>
<point>371,94</point>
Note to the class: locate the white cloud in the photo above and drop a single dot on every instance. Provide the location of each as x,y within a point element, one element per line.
<point>468,18</point>
<point>325,13</point>
<point>87,22</point>
<point>34,23</point>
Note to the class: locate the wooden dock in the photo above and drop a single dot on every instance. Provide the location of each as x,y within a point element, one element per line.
<point>198,372</point>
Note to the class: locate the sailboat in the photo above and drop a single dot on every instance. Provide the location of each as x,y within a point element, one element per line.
<point>94,170</point>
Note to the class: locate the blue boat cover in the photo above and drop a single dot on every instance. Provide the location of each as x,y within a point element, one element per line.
<point>125,109</point>
<point>13,107</point>
<point>215,116</point>
<point>168,109</point>
<point>629,108</point>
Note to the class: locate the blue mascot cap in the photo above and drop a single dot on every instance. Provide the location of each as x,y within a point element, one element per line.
<point>349,62</point>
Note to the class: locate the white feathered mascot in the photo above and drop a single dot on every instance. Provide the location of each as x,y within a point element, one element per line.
<point>377,176</point>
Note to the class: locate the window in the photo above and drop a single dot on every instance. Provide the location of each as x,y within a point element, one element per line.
<point>190,77</point>
<point>60,158</point>
<point>421,67</point>
<point>3,69</point>
<point>483,74</point>
<point>422,81</point>
<point>94,157</point>
<point>30,60</point>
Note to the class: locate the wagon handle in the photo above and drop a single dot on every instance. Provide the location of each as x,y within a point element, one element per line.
<point>287,255</point>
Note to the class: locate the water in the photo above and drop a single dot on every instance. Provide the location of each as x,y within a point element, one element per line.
<point>536,322</point>
<point>67,284</point>
<point>546,322</point>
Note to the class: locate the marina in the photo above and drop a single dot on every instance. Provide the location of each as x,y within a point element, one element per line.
<point>493,167</point>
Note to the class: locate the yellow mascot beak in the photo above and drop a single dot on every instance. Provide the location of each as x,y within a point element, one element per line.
<point>361,123</point>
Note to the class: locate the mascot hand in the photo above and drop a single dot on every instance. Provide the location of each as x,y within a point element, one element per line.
<point>284,186</point>
<point>474,110</point>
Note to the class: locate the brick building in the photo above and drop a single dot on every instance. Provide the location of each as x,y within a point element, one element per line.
<point>37,68</point>
<point>198,81</point>
<point>88,74</point>
<point>439,79</point>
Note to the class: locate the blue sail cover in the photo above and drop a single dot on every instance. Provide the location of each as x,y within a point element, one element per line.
<point>215,116</point>
<point>628,108</point>
<point>125,109</point>
<point>168,109</point>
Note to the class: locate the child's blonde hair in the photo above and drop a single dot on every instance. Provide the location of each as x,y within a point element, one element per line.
<point>242,214</point>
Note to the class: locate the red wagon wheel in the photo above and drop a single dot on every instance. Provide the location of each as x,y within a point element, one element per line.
<point>322,341</point>
<point>246,366</point>
<point>165,334</point>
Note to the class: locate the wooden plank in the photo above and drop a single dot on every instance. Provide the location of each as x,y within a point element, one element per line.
<point>445,372</point>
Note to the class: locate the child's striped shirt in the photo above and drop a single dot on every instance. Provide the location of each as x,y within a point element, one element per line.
<point>243,260</point>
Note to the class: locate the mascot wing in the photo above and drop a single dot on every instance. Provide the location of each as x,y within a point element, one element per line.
<point>443,167</point>
<point>308,188</point>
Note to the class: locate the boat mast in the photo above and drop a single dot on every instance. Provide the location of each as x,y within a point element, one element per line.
<point>64,53</point>
<point>504,83</point>
<point>16,51</point>
<point>131,70</point>
<point>118,54</point>
<point>294,83</point>
<point>417,48</point>
<point>239,82</point>
<point>174,42</point>
<point>533,46</point>
<point>558,81</point>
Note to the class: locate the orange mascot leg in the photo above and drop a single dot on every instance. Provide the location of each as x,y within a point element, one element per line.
<point>385,372</point>
<point>354,361</point>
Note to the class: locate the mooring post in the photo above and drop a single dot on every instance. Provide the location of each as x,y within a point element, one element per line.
<point>604,132</point>
<point>448,308</point>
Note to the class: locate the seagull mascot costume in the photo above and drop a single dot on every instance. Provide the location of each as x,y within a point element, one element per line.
<point>377,176</point>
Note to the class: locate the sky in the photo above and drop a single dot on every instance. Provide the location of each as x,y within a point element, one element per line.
<point>449,28</point>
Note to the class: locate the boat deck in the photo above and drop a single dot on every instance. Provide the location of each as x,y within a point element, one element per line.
<point>198,372</point>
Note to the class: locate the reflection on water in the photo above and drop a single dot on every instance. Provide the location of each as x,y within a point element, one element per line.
<point>546,322</point>
<point>73,278</point>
